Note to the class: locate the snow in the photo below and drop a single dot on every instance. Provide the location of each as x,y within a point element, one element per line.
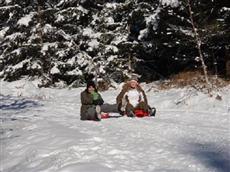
<point>83,59</point>
<point>8,1</point>
<point>172,3</point>
<point>94,43</point>
<point>152,19</point>
<point>61,2</point>
<point>90,33</point>
<point>67,37</point>
<point>60,18</point>
<point>17,51</point>
<point>71,61</point>
<point>14,36</point>
<point>54,70</point>
<point>80,8</point>
<point>102,70</point>
<point>185,31</point>
<point>110,48</point>
<point>111,58</point>
<point>3,32</point>
<point>8,7</point>
<point>48,28</point>
<point>20,64</point>
<point>48,45</point>
<point>32,38</point>
<point>35,65</point>
<point>41,131</point>
<point>61,53</point>
<point>119,38</point>
<point>95,18</point>
<point>225,9</point>
<point>10,16</point>
<point>26,19</point>
<point>111,5</point>
<point>109,20</point>
<point>143,34</point>
<point>75,72</point>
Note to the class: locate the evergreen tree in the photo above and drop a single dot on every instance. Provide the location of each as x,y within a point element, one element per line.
<point>70,40</point>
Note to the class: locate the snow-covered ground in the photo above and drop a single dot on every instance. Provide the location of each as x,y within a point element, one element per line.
<point>41,131</point>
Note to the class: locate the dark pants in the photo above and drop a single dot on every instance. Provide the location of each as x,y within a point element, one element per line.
<point>140,105</point>
<point>90,114</point>
<point>91,111</point>
<point>109,108</point>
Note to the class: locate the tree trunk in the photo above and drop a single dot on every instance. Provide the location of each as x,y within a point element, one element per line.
<point>199,42</point>
<point>228,69</point>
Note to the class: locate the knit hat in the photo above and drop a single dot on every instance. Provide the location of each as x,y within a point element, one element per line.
<point>91,83</point>
<point>134,77</point>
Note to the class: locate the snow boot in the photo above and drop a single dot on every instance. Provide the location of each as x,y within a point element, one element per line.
<point>130,114</point>
<point>152,111</point>
<point>98,113</point>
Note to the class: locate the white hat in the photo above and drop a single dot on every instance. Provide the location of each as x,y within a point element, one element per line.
<point>134,77</point>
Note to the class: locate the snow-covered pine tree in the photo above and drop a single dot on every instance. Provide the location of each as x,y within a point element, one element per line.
<point>68,40</point>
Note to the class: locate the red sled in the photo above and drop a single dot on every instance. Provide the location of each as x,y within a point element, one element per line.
<point>141,113</point>
<point>104,115</point>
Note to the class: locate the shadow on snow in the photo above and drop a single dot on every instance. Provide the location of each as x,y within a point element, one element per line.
<point>14,103</point>
<point>211,155</point>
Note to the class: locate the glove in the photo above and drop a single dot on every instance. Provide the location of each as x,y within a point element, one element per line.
<point>98,102</point>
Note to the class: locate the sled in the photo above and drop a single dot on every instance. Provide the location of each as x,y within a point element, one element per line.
<point>141,113</point>
<point>138,113</point>
<point>104,115</point>
<point>110,115</point>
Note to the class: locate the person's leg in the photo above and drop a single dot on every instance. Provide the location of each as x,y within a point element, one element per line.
<point>109,108</point>
<point>130,110</point>
<point>143,106</point>
<point>123,104</point>
<point>146,108</point>
<point>119,109</point>
<point>92,114</point>
<point>152,111</point>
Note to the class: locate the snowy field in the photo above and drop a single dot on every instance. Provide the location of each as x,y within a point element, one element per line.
<point>41,131</point>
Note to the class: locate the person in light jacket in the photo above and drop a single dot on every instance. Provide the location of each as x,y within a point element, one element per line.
<point>131,98</point>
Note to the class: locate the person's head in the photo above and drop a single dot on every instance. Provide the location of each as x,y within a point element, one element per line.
<point>133,81</point>
<point>91,86</point>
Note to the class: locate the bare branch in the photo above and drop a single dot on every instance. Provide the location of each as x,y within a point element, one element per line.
<point>199,42</point>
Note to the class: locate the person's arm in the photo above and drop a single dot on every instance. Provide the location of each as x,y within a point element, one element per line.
<point>141,97</point>
<point>122,94</point>
<point>99,100</point>
<point>144,95</point>
<point>86,99</point>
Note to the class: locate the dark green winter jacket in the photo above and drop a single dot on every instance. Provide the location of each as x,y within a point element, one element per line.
<point>88,102</point>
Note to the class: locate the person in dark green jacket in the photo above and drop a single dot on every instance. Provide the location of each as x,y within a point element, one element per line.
<point>91,101</point>
<point>92,104</point>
